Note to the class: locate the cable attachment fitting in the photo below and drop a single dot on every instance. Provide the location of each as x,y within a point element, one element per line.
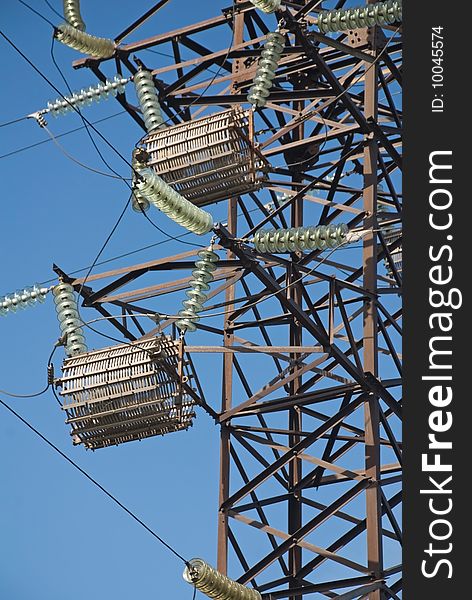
<point>39,118</point>
<point>50,374</point>
<point>139,160</point>
<point>281,25</point>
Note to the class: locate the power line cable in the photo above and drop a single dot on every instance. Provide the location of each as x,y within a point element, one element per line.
<point>125,181</point>
<point>60,135</point>
<point>55,63</point>
<point>131,252</point>
<point>37,13</point>
<point>54,10</point>
<point>76,160</point>
<point>122,214</point>
<point>13,122</point>
<point>94,481</point>
<point>113,258</point>
<point>105,243</point>
<point>48,81</point>
<point>86,122</point>
<point>44,390</point>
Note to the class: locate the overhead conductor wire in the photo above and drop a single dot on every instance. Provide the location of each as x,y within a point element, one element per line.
<point>58,14</point>
<point>95,482</point>
<point>13,122</point>
<point>49,82</point>
<point>60,135</point>
<point>44,390</point>
<point>125,181</point>
<point>87,123</point>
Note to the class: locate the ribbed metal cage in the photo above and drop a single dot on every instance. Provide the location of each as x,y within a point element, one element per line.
<point>125,393</point>
<point>397,254</point>
<point>208,159</point>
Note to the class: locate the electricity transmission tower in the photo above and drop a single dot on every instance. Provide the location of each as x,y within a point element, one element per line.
<point>310,412</point>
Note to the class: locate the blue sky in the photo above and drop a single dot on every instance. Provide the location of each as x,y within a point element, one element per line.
<point>59,534</point>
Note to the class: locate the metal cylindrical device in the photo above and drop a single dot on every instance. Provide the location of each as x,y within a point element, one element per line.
<point>214,584</point>
<point>87,96</point>
<point>84,42</point>
<point>69,319</point>
<point>266,69</point>
<point>380,13</point>
<point>148,100</point>
<point>170,202</point>
<point>202,275</point>
<point>138,202</point>
<point>297,239</point>
<point>72,14</point>
<point>22,299</point>
<point>267,6</point>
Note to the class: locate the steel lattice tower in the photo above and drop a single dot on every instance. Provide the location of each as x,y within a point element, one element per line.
<point>310,411</point>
